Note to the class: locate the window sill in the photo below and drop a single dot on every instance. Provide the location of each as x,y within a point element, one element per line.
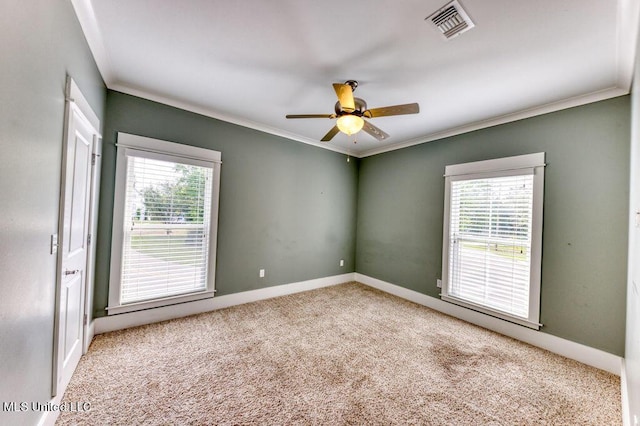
<point>497,314</point>
<point>157,303</point>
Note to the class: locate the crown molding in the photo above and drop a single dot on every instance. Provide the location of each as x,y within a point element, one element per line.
<point>91,29</point>
<point>600,95</point>
<point>224,117</point>
<point>628,15</point>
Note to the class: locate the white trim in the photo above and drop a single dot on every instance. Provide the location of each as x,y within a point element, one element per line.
<point>600,95</point>
<point>157,303</point>
<point>624,393</point>
<point>49,418</point>
<point>207,112</point>
<point>89,23</point>
<point>173,149</point>
<point>91,333</point>
<point>76,108</point>
<point>506,166</point>
<point>576,351</point>
<point>567,348</point>
<point>134,145</point>
<point>96,169</point>
<point>627,27</point>
<point>76,99</point>
<point>133,319</point>
<point>518,162</point>
<point>495,313</point>
<point>627,33</point>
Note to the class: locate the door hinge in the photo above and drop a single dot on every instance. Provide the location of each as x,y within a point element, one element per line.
<point>89,239</point>
<point>93,159</point>
<point>85,319</point>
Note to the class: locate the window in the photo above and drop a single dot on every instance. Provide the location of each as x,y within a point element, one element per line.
<point>493,237</point>
<point>165,220</point>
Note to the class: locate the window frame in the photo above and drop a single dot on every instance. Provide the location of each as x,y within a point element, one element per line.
<point>154,148</point>
<point>509,166</point>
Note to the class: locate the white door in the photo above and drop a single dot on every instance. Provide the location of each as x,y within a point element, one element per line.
<point>73,251</point>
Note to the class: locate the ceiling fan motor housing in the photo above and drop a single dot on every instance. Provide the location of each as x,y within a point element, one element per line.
<point>350,116</point>
<point>360,104</point>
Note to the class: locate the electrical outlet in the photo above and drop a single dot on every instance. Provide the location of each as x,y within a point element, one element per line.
<point>439,283</point>
<point>261,273</point>
<point>341,262</point>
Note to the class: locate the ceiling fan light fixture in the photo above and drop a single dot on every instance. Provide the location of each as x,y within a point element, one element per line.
<point>350,110</point>
<point>350,124</point>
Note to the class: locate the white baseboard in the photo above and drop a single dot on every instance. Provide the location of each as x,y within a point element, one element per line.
<point>133,319</point>
<point>581,353</point>
<point>91,332</point>
<point>626,414</point>
<point>49,418</point>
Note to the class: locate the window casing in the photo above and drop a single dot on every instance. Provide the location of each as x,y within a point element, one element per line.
<point>164,224</point>
<point>492,240</point>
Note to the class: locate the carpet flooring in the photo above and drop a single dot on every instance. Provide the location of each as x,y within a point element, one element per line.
<point>346,354</point>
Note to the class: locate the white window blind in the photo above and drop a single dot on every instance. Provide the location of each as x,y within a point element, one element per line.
<point>490,243</point>
<point>165,218</point>
<point>492,246</point>
<point>168,212</point>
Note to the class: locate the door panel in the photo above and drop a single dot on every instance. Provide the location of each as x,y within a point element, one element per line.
<point>80,192</point>
<point>74,252</point>
<point>73,318</point>
<point>77,197</point>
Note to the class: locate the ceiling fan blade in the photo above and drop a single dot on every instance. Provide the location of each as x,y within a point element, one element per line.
<point>334,131</point>
<point>311,116</point>
<point>345,96</point>
<point>392,110</point>
<point>374,131</point>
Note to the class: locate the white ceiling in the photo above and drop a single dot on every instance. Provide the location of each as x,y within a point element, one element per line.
<point>251,62</point>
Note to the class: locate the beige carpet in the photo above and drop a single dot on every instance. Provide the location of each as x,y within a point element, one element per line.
<point>347,354</point>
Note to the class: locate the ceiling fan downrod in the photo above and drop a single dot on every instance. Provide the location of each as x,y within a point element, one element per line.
<point>353,84</point>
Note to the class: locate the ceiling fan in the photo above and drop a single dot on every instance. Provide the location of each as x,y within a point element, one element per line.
<point>351,111</point>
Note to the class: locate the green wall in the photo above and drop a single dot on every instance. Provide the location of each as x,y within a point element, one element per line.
<point>401,199</point>
<point>287,207</point>
<point>42,42</point>
<point>291,208</point>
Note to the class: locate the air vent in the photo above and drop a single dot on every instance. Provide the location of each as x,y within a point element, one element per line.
<point>451,20</point>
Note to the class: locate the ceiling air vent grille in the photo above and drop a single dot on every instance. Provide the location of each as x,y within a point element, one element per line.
<point>451,20</point>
